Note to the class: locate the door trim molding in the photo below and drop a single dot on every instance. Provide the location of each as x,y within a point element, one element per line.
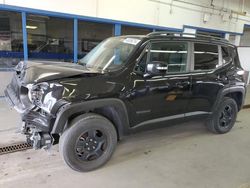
<point>167,118</point>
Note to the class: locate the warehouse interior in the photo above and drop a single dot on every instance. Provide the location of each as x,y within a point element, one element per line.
<point>179,155</point>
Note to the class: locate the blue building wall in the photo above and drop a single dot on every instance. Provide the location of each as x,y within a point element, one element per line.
<point>76,18</point>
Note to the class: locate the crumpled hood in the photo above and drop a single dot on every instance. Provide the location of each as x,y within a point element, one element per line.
<point>40,71</point>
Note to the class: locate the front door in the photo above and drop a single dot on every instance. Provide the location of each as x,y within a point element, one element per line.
<point>163,97</point>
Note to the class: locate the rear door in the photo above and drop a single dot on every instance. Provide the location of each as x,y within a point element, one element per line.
<point>208,76</point>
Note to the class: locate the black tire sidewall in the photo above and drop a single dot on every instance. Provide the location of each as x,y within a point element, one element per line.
<point>226,101</point>
<point>70,136</point>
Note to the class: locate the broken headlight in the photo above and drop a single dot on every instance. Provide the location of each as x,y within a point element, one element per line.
<point>36,93</point>
<point>45,95</point>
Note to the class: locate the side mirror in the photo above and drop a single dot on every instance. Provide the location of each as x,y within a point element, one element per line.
<point>156,68</point>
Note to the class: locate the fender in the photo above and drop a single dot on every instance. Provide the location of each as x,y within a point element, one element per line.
<point>66,111</point>
<point>226,91</point>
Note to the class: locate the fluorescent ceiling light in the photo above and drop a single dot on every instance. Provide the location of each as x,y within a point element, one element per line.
<point>31,27</point>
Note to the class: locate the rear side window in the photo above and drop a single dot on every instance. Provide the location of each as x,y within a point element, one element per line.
<point>225,55</point>
<point>205,56</point>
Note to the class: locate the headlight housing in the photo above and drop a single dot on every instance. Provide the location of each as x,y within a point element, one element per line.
<point>45,95</point>
<point>36,93</point>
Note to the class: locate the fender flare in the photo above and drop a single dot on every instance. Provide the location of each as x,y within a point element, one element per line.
<point>66,111</point>
<point>229,90</point>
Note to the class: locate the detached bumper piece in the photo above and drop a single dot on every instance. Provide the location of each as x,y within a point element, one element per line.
<point>12,96</point>
<point>37,127</point>
<point>17,96</point>
<point>36,119</point>
<point>40,140</point>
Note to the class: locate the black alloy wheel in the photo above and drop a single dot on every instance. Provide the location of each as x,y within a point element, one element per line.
<point>88,143</point>
<point>91,145</point>
<point>224,117</point>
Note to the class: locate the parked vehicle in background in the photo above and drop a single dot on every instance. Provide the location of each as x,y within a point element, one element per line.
<point>124,85</point>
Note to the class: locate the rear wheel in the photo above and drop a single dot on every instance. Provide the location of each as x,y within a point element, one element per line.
<point>88,143</point>
<point>223,119</point>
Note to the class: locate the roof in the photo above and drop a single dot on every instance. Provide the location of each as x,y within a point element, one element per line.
<point>180,35</point>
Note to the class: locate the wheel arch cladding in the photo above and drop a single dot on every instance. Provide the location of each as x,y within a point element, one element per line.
<point>237,96</point>
<point>113,109</point>
<point>113,114</point>
<point>237,93</point>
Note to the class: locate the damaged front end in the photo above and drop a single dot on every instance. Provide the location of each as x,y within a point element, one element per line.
<point>38,104</point>
<point>36,127</point>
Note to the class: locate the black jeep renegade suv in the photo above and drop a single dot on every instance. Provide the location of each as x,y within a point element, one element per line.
<point>124,85</point>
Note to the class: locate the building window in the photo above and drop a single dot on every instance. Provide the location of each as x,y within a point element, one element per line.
<point>128,30</point>
<point>245,38</point>
<point>50,38</point>
<point>205,56</point>
<point>90,34</point>
<point>11,39</point>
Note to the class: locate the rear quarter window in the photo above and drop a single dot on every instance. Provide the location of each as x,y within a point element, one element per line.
<point>234,55</point>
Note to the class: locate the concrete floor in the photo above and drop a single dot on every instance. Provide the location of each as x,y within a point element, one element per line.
<point>185,155</point>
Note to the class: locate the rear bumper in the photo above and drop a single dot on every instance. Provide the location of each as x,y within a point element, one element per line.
<point>244,95</point>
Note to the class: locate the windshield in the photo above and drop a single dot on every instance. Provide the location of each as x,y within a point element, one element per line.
<point>110,54</point>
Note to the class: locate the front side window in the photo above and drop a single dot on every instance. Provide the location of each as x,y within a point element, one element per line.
<point>205,56</point>
<point>172,54</point>
<point>141,65</point>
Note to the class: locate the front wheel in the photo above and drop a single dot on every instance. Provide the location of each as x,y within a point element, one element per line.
<point>88,143</point>
<point>223,119</point>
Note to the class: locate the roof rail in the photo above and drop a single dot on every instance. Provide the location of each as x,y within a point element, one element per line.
<point>181,34</point>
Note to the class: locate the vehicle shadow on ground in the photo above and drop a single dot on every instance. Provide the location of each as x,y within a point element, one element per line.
<point>143,143</point>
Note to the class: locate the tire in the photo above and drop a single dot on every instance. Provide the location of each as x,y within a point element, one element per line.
<point>223,119</point>
<point>88,143</point>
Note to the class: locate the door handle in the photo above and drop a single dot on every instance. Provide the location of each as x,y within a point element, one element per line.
<point>182,84</point>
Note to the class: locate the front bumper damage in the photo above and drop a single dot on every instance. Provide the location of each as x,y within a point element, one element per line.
<point>36,124</point>
<point>36,127</point>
